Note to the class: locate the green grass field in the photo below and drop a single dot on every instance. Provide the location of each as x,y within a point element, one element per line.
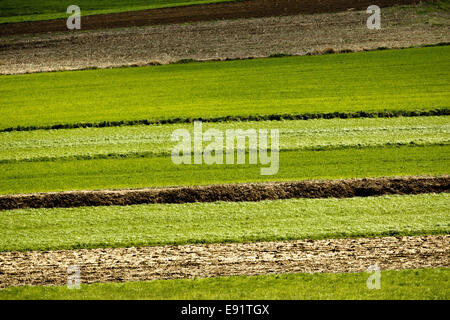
<point>34,10</point>
<point>130,141</point>
<point>116,173</point>
<point>430,284</point>
<point>163,224</point>
<point>410,79</point>
<point>137,156</point>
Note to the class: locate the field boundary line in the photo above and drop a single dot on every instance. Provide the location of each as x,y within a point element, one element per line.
<point>444,111</point>
<point>245,192</point>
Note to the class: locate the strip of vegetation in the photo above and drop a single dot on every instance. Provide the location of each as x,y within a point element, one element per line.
<point>429,284</point>
<point>99,174</point>
<point>326,86</point>
<point>169,224</point>
<point>151,141</point>
<point>151,154</point>
<point>250,118</point>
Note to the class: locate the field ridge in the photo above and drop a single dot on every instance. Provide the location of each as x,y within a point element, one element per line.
<point>244,118</point>
<point>247,192</point>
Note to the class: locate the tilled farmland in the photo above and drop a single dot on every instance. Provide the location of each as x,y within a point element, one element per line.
<point>359,144</point>
<point>226,10</point>
<point>220,40</point>
<point>174,262</point>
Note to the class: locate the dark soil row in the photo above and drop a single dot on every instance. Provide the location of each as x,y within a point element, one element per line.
<point>207,12</point>
<point>232,192</point>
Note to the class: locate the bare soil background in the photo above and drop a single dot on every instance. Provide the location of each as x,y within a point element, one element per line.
<point>206,12</point>
<point>220,40</point>
<point>232,192</point>
<point>212,260</point>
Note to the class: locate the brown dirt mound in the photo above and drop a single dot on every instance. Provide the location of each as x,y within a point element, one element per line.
<point>207,12</point>
<point>232,192</point>
<point>172,262</point>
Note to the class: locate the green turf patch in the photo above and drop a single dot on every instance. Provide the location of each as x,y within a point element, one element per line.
<point>410,79</point>
<point>429,284</point>
<point>116,173</point>
<point>33,10</point>
<point>162,224</point>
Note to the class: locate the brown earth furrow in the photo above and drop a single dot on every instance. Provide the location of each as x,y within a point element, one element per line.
<point>220,40</point>
<point>211,260</point>
<point>195,13</point>
<point>232,192</point>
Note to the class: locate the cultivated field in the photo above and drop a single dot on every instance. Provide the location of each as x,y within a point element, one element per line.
<point>216,11</point>
<point>300,256</point>
<point>403,27</point>
<point>392,80</point>
<point>88,176</point>
<point>144,140</point>
<point>22,10</point>
<point>181,224</point>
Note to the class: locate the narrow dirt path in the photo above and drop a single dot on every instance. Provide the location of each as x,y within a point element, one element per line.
<point>232,192</point>
<point>207,12</point>
<point>172,262</point>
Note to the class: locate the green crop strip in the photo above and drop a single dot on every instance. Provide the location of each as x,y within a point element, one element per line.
<point>151,141</point>
<point>380,81</point>
<point>25,177</point>
<point>164,224</point>
<point>32,10</point>
<point>430,284</point>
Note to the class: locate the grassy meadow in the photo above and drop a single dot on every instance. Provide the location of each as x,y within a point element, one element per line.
<point>34,158</point>
<point>410,79</point>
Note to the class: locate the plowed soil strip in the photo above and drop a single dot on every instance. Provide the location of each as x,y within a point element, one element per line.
<point>172,262</point>
<point>208,12</point>
<point>232,192</point>
<point>229,39</point>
